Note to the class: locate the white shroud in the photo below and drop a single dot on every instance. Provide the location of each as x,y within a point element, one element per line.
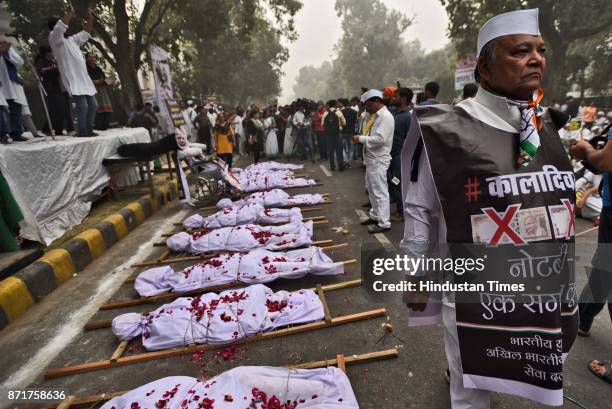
<point>256,267</point>
<point>236,216</point>
<point>246,387</point>
<point>269,165</point>
<point>272,180</point>
<point>243,238</point>
<point>219,318</point>
<point>273,198</point>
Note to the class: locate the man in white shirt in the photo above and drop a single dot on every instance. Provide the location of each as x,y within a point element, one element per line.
<point>12,89</point>
<point>377,139</point>
<point>301,122</point>
<point>190,110</point>
<point>73,70</point>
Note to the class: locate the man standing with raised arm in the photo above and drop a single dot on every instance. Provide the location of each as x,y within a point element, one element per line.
<point>73,70</point>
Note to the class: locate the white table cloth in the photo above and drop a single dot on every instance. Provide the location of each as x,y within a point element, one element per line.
<point>54,182</point>
<point>219,318</point>
<point>252,387</point>
<point>236,216</point>
<point>255,267</point>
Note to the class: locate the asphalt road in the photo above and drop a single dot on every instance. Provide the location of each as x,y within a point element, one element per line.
<point>51,334</point>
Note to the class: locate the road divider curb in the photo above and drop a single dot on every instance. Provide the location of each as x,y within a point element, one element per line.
<point>28,286</point>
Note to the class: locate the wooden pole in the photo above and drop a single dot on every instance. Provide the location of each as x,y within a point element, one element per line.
<point>314,219</point>
<point>341,362</point>
<point>349,359</point>
<point>326,312</point>
<point>149,356</point>
<point>328,248</point>
<point>170,296</point>
<point>206,256</point>
<point>66,403</point>
<point>119,351</point>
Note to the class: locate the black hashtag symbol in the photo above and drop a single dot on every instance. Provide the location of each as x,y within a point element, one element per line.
<point>471,189</point>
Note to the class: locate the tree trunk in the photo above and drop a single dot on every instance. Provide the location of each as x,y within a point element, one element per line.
<point>131,95</point>
<point>555,83</point>
<point>126,64</point>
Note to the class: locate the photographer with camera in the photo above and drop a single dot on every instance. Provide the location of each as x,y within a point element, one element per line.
<point>599,286</point>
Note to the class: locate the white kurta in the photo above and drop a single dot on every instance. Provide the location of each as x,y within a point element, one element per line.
<point>377,158</point>
<point>245,386</point>
<point>3,102</point>
<point>70,60</point>
<point>289,142</point>
<point>244,238</point>
<point>219,318</point>
<point>236,216</point>
<point>377,145</point>
<point>273,198</point>
<point>271,145</point>
<point>10,89</point>
<point>256,267</point>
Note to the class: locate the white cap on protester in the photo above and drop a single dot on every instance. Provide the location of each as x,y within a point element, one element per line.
<point>514,22</point>
<point>373,93</point>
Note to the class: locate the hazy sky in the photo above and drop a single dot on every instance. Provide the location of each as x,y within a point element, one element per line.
<point>319,29</point>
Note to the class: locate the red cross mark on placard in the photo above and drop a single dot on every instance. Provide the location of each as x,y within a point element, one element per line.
<point>572,218</point>
<point>502,220</point>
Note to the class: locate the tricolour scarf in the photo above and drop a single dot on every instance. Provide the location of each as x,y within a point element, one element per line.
<point>531,123</point>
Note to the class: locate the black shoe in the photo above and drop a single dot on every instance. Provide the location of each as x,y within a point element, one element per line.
<point>92,133</point>
<point>19,139</point>
<point>378,229</point>
<point>368,221</point>
<point>82,135</point>
<point>4,140</point>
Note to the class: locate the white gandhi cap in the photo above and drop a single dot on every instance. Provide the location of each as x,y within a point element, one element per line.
<point>514,22</point>
<point>373,93</point>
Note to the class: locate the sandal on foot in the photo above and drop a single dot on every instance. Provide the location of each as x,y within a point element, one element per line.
<point>607,366</point>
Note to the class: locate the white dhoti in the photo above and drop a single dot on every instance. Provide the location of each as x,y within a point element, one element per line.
<point>461,397</point>
<point>378,192</point>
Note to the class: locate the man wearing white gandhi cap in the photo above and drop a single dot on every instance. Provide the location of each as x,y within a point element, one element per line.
<point>377,139</point>
<point>472,174</point>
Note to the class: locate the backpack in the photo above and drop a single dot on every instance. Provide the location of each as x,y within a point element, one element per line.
<point>331,123</point>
